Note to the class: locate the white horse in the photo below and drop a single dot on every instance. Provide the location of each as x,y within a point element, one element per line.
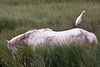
<point>47,36</point>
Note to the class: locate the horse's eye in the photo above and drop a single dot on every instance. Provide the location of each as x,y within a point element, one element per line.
<point>10,50</point>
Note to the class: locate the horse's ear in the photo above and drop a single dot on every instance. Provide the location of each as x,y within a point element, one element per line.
<point>7,41</point>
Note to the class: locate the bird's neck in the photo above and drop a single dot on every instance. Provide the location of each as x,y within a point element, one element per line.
<point>81,14</point>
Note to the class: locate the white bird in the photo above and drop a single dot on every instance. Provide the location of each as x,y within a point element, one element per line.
<point>79,19</point>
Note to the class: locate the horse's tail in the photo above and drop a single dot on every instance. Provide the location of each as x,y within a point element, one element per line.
<point>94,38</point>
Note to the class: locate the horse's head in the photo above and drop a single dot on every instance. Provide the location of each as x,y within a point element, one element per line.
<point>12,48</point>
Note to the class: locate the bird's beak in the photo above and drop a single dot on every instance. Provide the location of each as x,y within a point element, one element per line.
<point>85,12</point>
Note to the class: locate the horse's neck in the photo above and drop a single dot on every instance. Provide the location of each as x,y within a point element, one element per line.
<point>19,39</point>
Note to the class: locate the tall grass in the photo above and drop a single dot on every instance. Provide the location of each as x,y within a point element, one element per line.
<point>20,2</point>
<point>17,19</point>
<point>66,56</point>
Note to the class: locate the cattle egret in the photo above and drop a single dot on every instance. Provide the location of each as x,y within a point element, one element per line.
<point>79,19</point>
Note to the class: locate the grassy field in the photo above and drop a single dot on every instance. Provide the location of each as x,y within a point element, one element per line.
<point>19,18</point>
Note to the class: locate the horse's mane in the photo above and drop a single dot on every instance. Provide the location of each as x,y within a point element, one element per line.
<point>19,38</point>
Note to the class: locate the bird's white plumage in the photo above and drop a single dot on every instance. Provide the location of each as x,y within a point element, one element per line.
<point>79,19</point>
